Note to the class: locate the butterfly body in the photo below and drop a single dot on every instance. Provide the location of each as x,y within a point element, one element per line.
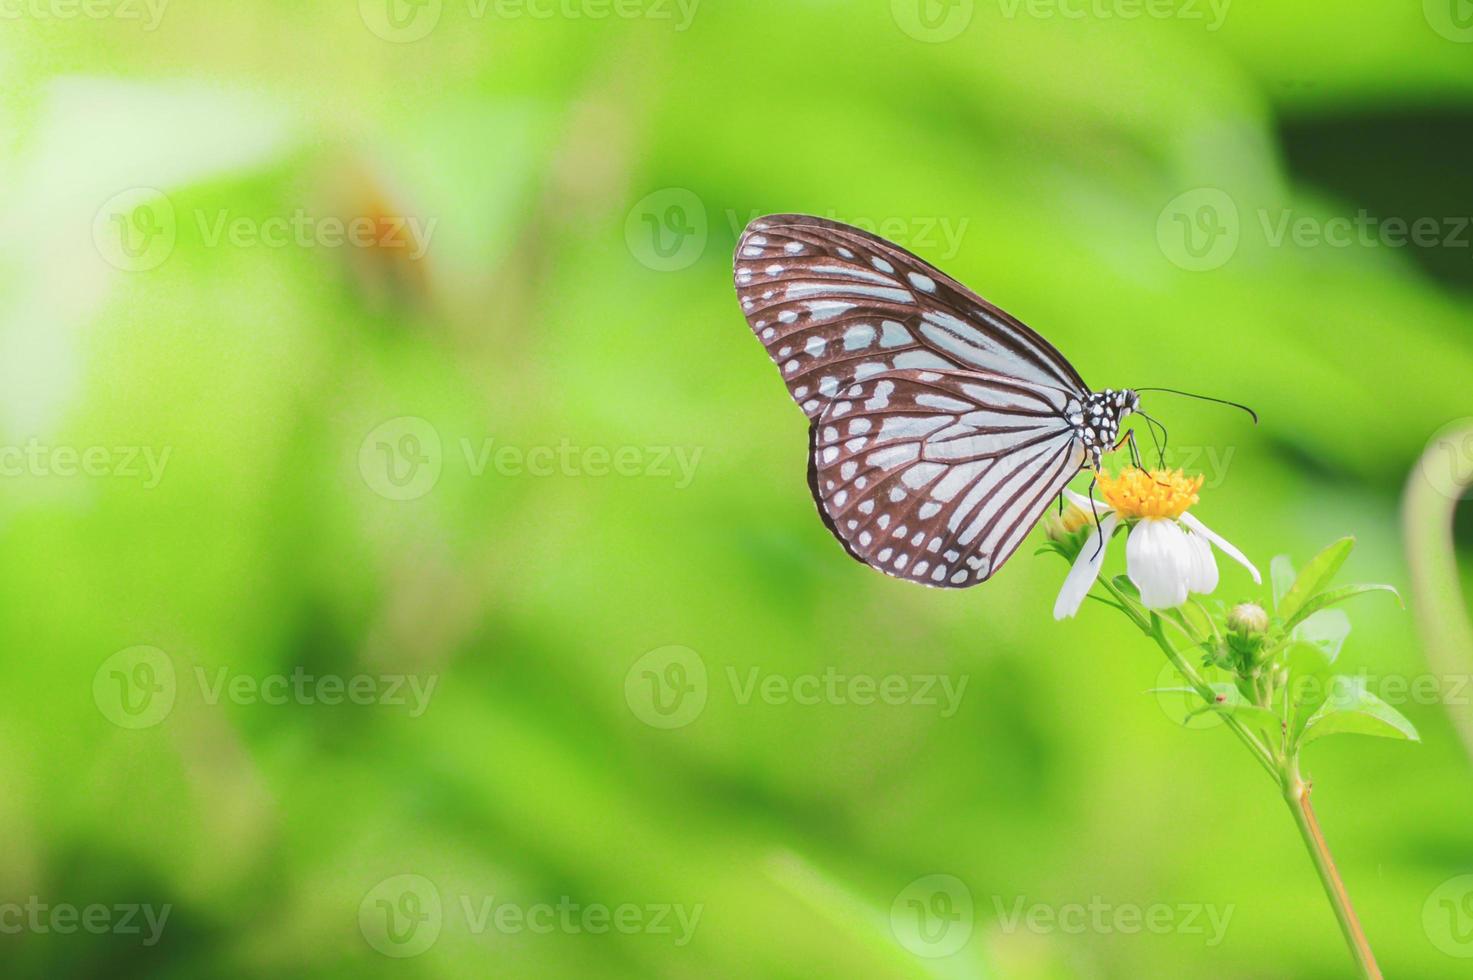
<point>941,427</point>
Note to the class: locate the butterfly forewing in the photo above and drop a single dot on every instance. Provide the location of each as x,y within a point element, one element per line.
<point>834,304</point>
<point>936,476</point>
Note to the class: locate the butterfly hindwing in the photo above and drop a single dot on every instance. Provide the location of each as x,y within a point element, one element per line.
<point>937,476</point>
<point>833,304</point>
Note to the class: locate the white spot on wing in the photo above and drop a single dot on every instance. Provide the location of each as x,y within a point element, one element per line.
<point>859,336</point>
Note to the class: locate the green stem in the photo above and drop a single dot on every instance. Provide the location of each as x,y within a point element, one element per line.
<point>1152,628</point>
<point>1437,596</point>
<point>1296,794</point>
<point>1282,765</point>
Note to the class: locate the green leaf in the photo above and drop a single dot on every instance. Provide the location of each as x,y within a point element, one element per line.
<point>1352,710</point>
<point>1124,584</point>
<point>1281,575</point>
<point>1315,576</point>
<point>1309,680</point>
<point>1229,701</point>
<point>1327,599</point>
<point>1326,629</point>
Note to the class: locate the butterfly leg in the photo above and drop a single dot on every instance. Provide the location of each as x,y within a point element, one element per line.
<point>1095,510</point>
<point>1135,452</point>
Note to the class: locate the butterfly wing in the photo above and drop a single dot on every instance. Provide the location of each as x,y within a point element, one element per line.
<point>833,304</point>
<point>937,477</point>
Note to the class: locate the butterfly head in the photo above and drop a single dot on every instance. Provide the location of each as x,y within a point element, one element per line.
<point>1097,422</point>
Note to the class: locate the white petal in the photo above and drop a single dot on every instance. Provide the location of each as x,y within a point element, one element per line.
<point>1083,503</point>
<point>1157,559</point>
<point>1202,575</point>
<point>1222,544</point>
<point>1086,569</point>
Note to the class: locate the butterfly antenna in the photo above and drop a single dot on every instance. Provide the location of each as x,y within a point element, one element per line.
<point>1206,398</point>
<point>1159,442</point>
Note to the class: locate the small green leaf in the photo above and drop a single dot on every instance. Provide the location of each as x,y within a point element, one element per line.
<point>1124,584</point>
<point>1309,680</point>
<point>1326,629</point>
<point>1352,710</point>
<point>1315,576</point>
<point>1229,701</point>
<point>1281,575</point>
<point>1326,599</point>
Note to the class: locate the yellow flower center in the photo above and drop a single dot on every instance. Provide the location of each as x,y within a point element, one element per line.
<point>1159,493</point>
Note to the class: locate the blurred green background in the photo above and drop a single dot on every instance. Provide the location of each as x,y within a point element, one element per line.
<point>398,512</point>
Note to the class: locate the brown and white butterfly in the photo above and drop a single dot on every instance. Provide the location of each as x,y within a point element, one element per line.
<point>940,427</point>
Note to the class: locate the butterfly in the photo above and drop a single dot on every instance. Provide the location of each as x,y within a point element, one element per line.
<point>940,427</point>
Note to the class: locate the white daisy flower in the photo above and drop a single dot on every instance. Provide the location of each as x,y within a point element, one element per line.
<point>1168,552</point>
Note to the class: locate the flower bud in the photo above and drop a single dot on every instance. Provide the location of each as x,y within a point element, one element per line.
<point>1064,527</point>
<point>1248,619</point>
